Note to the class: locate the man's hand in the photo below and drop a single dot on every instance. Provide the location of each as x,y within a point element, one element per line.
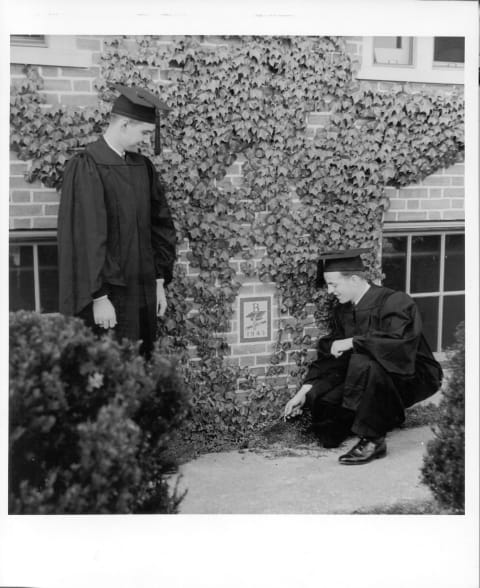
<point>161,298</point>
<point>294,405</point>
<point>104,313</point>
<point>340,346</point>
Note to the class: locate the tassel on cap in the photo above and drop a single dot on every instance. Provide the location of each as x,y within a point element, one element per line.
<point>140,104</point>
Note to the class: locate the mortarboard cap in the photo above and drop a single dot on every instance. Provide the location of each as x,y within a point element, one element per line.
<point>140,104</point>
<point>340,261</point>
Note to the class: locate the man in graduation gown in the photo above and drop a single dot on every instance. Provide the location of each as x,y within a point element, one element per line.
<point>116,237</point>
<point>374,364</point>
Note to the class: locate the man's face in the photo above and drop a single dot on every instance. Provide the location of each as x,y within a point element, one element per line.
<point>136,133</point>
<point>345,288</point>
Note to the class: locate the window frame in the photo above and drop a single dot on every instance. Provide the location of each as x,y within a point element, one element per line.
<point>410,230</point>
<point>423,69</point>
<point>34,239</point>
<point>60,50</point>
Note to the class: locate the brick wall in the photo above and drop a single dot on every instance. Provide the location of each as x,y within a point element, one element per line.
<point>32,206</point>
<point>439,197</point>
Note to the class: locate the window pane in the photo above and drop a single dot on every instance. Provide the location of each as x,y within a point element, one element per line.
<point>425,275</point>
<point>428,307</point>
<point>453,313</point>
<point>449,49</point>
<point>394,262</point>
<point>454,262</point>
<point>48,275</point>
<point>28,40</point>
<point>22,295</point>
<point>392,50</point>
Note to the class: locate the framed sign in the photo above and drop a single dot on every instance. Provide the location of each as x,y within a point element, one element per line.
<point>255,319</point>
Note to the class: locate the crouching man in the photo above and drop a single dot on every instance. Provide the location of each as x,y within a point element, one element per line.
<point>375,363</point>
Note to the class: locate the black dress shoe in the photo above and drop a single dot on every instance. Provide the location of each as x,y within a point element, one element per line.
<point>364,451</point>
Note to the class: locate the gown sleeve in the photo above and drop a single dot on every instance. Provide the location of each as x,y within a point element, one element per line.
<point>325,361</point>
<point>82,235</point>
<point>164,240</point>
<point>394,342</point>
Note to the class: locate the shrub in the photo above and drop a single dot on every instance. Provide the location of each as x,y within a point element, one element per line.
<point>443,467</point>
<point>90,421</point>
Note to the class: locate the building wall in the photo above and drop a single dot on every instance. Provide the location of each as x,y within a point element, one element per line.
<point>33,206</point>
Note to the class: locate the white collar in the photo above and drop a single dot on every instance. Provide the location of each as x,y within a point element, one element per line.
<point>122,155</point>
<point>355,302</point>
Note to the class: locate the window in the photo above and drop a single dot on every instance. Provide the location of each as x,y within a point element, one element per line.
<point>430,266</point>
<point>55,50</point>
<point>28,40</point>
<point>33,272</point>
<point>413,59</point>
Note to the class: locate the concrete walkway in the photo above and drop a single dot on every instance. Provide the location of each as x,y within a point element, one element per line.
<point>305,480</point>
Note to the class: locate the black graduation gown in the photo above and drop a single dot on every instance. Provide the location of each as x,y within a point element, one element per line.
<point>115,236</point>
<point>389,368</point>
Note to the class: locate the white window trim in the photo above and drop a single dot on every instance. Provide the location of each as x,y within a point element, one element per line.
<point>409,229</point>
<point>61,51</point>
<point>423,70</point>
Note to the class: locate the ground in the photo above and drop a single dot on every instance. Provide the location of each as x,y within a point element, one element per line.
<point>284,471</point>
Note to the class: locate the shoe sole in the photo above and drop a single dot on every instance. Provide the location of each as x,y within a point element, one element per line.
<point>378,455</point>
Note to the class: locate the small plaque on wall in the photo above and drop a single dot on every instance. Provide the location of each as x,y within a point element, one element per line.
<point>255,319</point>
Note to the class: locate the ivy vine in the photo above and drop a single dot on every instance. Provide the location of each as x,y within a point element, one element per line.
<point>248,100</point>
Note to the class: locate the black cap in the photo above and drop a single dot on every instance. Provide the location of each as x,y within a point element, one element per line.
<point>140,104</point>
<point>340,261</point>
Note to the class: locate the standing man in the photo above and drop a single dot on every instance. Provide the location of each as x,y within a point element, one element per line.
<point>375,363</point>
<point>116,237</point>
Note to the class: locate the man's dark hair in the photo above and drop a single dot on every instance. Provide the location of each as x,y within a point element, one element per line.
<point>361,274</point>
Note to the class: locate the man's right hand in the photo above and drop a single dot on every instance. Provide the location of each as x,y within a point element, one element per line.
<point>294,405</point>
<point>104,313</point>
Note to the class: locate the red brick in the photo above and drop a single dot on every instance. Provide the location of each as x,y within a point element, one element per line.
<point>18,168</point>
<point>257,371</point>
<point>265,289</point>
<point>20,196</point>
<point>79,99</point>
<point>26,210</point>
<point>413,215</point>
<point>80,72</point>
<point>51,209</point>
<point>92,44</point>
<point>234,170</point>
<point>435,193</point>
<point>413,204</point>
<point>436,204</point>
<point>57,85</point>
<point>458,180</point>
<point>82,86</point>
<point>19,182</point>
<point>456,170</point>
<point>45,222</point>
<point>246,360</point>
<point>436,181</point>
<point>390,217</point>
<point>457,204</point>
<point>249,348</point>
<point>20,223</point>
<point>48,71</point>
<point>453,215</point>
<point>434,215</point>
<point>413,193</point>
<point>49,197</point>
<point>16,69</point>
<point>454,193</point>
<point>52,99</point>
<point>399,204</point>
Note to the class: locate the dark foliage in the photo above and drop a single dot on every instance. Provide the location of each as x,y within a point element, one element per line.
<point>444,463</point>
<point>89,421</point>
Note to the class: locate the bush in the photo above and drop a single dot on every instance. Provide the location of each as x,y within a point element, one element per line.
<point>90,421</point>
<point>444,463</point>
